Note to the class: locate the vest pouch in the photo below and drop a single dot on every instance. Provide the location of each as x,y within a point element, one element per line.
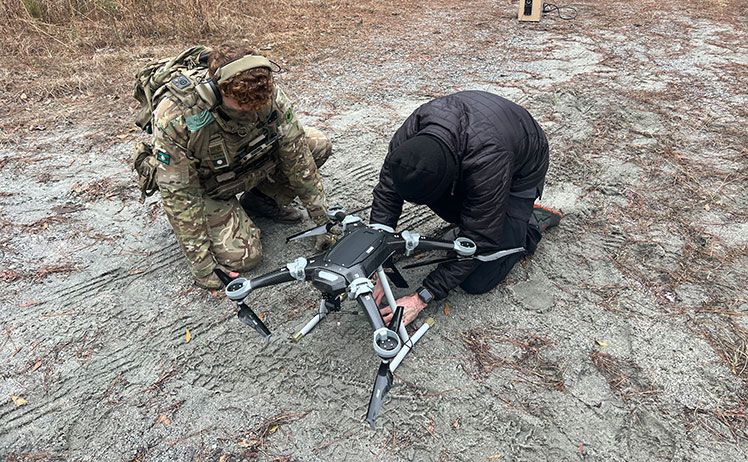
<point>218,154</point>
<point>145,163</point>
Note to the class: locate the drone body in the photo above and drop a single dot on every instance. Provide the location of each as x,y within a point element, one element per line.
<point>347,268</point>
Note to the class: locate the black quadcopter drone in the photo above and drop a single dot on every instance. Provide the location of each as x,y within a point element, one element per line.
<point>345,270</point>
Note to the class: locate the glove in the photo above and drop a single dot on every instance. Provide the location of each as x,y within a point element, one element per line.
<point>324,242</point>
<point>210,282</point>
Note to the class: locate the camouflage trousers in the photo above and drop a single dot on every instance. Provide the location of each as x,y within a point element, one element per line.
<point>278,187</point>
<point>235,239</point>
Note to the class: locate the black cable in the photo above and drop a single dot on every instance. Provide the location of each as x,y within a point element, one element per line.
<point>550,7</point>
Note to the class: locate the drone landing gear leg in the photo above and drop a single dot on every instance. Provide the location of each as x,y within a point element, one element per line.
<point>391,301</point>
<point>410,343</point>
<point>385,374</point>
<point>391,348</point>
<point>323,311</point>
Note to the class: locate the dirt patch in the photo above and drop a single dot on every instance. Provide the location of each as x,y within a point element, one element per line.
<point>528,360</point>
<point>623,338</point>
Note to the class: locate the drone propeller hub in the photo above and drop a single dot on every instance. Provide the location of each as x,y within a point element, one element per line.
<point>465,247</point>
<point>238,289</point>
<point>387,343</point>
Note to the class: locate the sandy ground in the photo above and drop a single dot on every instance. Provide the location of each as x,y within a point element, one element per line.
<point>623,338</point>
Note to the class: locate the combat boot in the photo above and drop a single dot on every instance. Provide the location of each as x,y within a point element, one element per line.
<point>256,203</point>
<point>544,217</point>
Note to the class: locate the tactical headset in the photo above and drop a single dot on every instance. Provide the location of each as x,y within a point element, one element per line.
<point>208,89</point>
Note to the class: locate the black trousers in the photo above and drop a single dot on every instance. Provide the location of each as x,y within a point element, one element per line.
<point>519,231</point>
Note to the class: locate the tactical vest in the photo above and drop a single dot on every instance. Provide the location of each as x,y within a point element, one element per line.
<point>233,155</point>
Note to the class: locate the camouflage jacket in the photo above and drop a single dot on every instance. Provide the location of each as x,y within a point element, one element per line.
<point>202,153</point>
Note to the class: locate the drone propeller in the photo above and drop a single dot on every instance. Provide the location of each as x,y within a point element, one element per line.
<point>316,231</point>
<point>225,278</point>
<point>394,275</point>
<point>324,228</point>
<point>481,257</point>
<point>359,210</point>
<point>382,384</point>
<point>248,317</point>
<point>245,313</point>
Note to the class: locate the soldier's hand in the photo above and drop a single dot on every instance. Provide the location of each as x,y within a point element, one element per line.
<point>209,282</point>
<point>324,242</point>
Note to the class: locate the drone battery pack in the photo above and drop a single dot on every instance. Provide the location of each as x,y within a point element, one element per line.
<point>530,10</point>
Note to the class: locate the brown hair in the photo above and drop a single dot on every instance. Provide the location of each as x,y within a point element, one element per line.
<point>252,88</point>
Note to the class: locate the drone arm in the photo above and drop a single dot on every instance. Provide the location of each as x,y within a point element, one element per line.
<point>272,278</point>
<point>407,242</point>
<point>238,289</point>
<point>461,245</point>
<point>372,311</point>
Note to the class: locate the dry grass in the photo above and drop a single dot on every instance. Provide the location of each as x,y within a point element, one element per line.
<point>253,442</point>
<point>727,421</point>
<point>531,363</point>
<point>42,225</point>
<point>624,377</point>
<point>48,270</point>
<point>43,84</point>
<point>9,276</point>
<point>116,35</point>
<point>729,340</point>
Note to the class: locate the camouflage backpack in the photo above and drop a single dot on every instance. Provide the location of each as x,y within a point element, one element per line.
<point>150,84</point>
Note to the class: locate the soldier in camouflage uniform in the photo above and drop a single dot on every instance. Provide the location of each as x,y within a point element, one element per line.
<point>245,141</point>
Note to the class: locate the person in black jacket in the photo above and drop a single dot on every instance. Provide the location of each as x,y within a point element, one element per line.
<point>479,162</point>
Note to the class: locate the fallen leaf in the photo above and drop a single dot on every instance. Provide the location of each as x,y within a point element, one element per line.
<point>262,315</point>
<point>431,427</point>
<point>187,336</point>
<point>249,443</point>
<point>36,365</point>
<point>18,400</point>
<point>272,429</point>
<point>223,458</point>
<point>496,456</point>
<point>602,343</point>
<point>446,309</point>
<point>163,419</point>
<point>456,424</point>
<point>135,271</point>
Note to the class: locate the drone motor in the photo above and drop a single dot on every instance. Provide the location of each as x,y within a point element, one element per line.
<point>238,289</point>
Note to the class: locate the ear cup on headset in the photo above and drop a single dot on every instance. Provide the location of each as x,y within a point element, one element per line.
<point>209,92</point>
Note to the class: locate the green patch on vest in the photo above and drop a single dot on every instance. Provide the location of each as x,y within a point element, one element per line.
<point>163,157</point>
<point>288,115</point>
<point>198,121</point>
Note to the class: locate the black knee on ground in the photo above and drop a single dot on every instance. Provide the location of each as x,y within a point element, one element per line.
<point>474,288</point>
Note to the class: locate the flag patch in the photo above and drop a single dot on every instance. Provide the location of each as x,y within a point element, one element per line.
<point>163,157</point>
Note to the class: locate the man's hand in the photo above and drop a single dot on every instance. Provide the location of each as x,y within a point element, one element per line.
<point>412,305</point>
<point>324,242</point>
